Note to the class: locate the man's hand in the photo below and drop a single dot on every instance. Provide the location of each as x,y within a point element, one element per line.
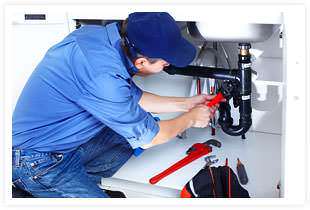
<point>197,114</point>
<point>200,115</point>
<point>198,99</point>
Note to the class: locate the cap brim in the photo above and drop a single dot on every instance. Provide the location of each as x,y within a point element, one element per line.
<point>183,54</point>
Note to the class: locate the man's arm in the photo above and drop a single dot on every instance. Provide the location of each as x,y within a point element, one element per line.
<point>197,117</point>
<point>164,104</point>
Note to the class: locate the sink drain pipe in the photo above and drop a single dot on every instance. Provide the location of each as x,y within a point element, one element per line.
<point>239,90</point>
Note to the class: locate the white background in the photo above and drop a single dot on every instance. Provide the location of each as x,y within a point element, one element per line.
<point>137,201</point>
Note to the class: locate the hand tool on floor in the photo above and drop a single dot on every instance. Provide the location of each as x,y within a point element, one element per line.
<point>243,177</point>
<point>210,160</point>
<point>196,151</point>
<point>229,178</point>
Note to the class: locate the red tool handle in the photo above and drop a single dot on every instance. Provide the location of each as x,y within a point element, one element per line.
<point>198,86</point>
<point>188,159</point>
<point>217,99</point>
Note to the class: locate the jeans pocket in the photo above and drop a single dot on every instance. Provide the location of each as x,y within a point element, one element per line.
<point>42,165</point>
<point>121,154</point>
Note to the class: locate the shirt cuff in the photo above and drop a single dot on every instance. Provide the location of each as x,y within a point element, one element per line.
<point>148,133</point>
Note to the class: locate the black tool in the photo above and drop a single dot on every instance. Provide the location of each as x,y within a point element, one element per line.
<point>243,177</point>
<point>210,160</point>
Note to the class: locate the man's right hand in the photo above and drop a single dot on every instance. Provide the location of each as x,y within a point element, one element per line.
<point>200,115</point>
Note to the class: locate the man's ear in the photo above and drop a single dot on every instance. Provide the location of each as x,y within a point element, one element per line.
<point>140,62</point>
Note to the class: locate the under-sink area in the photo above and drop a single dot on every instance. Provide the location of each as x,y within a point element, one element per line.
<point>217,48</point>
<point>221,41</point>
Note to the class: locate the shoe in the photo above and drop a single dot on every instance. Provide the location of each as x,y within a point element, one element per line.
<point>115,194</point>
<point>19,193</point>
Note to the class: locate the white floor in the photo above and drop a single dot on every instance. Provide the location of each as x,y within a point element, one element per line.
<point>260,153</point>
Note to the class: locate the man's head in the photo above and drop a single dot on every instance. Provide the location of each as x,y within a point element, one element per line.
<point>153,40</point>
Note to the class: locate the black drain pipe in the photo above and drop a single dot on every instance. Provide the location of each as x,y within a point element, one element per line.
<point>243,97</point>
<point>203,71</point>
<point>240,91</point>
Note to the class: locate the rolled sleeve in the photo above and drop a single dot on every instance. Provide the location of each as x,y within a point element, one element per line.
<point>145,133</point>
<point>114,101</point>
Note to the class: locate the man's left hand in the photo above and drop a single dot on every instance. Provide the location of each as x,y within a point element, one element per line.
<point>199,99</point>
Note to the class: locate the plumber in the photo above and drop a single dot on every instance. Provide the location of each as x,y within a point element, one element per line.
<point>80,116</point>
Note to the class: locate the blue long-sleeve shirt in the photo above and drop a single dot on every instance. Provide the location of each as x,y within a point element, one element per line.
<point>82,84</point>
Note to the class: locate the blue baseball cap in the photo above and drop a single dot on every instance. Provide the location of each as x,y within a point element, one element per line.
<point>156,35</point>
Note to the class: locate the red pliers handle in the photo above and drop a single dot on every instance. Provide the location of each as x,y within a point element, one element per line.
<point>216,100</point>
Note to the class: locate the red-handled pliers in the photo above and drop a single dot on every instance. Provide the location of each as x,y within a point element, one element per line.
<point>216,100</point>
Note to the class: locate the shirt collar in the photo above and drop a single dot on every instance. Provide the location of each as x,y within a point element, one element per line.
<point>115,40</point>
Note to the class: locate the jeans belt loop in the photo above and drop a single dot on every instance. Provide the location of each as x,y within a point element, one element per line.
<point>17,158</point>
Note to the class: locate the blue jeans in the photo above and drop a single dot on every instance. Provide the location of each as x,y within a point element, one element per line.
<point>72,174</point>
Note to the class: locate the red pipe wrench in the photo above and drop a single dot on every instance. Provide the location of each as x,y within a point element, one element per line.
<point>194,152</point>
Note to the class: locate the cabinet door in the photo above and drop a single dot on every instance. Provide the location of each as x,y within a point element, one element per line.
<point>32,34</point>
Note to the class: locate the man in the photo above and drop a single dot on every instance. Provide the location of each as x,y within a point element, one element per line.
<point>80,115</point>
